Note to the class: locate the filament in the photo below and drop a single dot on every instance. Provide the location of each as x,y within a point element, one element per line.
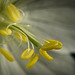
<point>28,42</point>
<point>10,25</point>
<point>19,44</point>
<point>35,37</point>
<point>23,16</point>
<point>27,26</point>
<point>8,41</point>
<point>32,45</point>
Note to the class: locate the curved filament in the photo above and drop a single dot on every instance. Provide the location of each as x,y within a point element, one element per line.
<point>32,45</point>
<point>10,25</point>
<point>23,16</point>
<point>8,41</point>
<point>19,44</point>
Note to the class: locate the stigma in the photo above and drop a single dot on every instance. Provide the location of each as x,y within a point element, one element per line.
<point>10,25</point>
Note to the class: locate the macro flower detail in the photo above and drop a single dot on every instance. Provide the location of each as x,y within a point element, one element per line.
<point>10,24</point>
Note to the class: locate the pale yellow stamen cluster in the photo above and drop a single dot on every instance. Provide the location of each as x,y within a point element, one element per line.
<point>28,53</point>
<point>49,45</point>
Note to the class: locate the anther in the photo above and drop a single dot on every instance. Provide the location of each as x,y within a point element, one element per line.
<point>5,32</point>
<point>45,55</point>
<point>27,54</point>
<point>23,37</point>
<point>7,55</point>
<point>51,44</point>
<point>13,12</point>
<point>33,61</point>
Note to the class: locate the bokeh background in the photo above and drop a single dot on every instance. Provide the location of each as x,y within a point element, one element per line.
<point>49,19</point>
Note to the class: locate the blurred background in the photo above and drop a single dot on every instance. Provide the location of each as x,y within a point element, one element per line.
<point>49,19</point>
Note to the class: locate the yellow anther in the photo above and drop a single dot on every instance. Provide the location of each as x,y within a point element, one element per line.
<point>45,55</point>
<point>51,44</point>
<point>5,32</point>
<point>23,37</point>
<point>9,31</point>
<point>27,54</point>
<point>7,55</point>
<point>33,61</point>
<point>13,12</point>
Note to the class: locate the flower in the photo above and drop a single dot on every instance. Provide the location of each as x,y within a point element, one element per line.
<point>44,53</point>
<point>22,34</point>
<point>25,36</point>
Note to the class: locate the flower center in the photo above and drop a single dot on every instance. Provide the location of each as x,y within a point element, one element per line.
<point>9,22</point>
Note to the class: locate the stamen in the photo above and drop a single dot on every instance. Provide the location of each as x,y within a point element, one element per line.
<point>23,37</point>
<point>27,54</point>
<point>5,32</point>
<point>7,55</point>
<point>10,25</point>
<point>24,32</point>
<point>0,58</point>
<point>13,12</point>
<point>26,26</point>
<point>32,45</point>
<point>33,61</point>
<point>19,43</point>
<point>14,15</point>
<point>33,36</point>
<point>51,44</point>
<point>45,55</point>
<point>8,41</point>
<point>23,16</point>
<point>33,40</point>
<point>28,42</point>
